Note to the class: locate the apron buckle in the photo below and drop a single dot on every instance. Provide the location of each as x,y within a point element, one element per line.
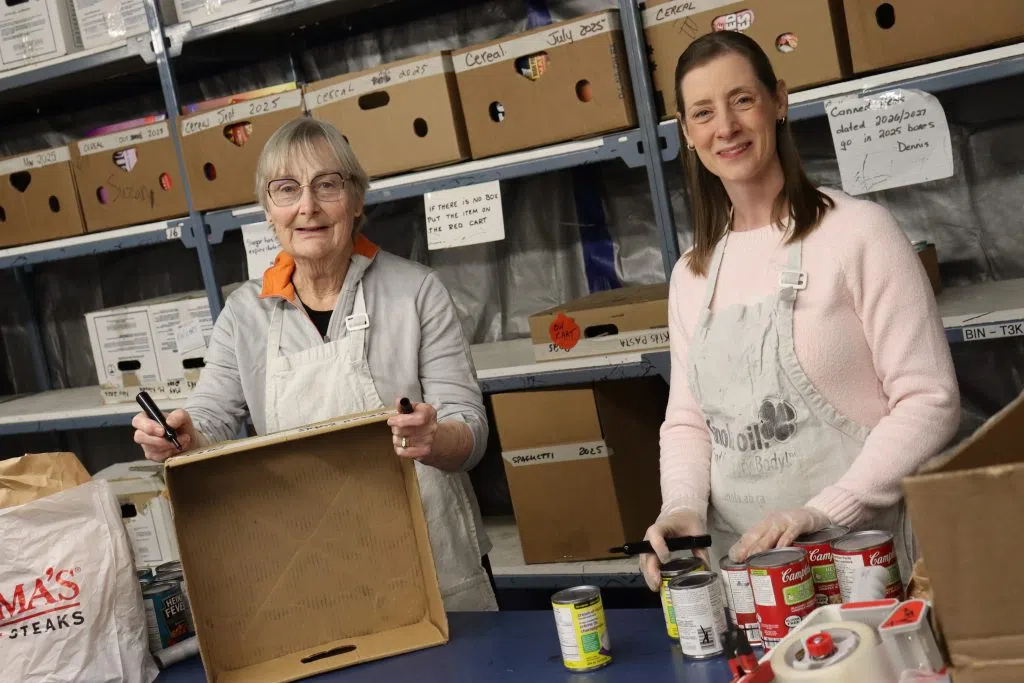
<point>357,322</point>
<point>793,279</point>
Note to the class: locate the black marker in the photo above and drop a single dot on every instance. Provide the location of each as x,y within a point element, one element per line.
<point>154,413</point>
<point>674,544</point>
<point>405,406</point>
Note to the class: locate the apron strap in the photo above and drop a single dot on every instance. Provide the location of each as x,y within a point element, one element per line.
<point>713,269</point>
<point>274,332</point>
<point>357,323</point>
<point>794,277</point>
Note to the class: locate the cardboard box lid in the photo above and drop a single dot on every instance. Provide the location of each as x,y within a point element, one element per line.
<point>301,543</point>
<point>965,509</point>
<point>625,296</point>
<point>528,419</point>
<point>141,476</point>
<point>321,93</point>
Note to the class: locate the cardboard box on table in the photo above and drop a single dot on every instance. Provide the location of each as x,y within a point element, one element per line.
<point>35,31</point>
<point>313,544</point>
<point>583,89</point>
<point>804,39</point>
<point>965,510</point>
<point>128,178</point>
<point>582,465</point>
<point>884,34</point>
<point>398,117</point>
<point>38,201</point>
<point>221,147</point>
<point>145,511</point>
<point>629,319</point>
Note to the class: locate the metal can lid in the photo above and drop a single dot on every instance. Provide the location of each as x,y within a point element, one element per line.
<point>727,564</point>
<point>693,580</point>
<point>576,594</point>
<point>157,588</point>
<point>779,557</point>
<point>861,540</point>
<point>683,565</point>
<point>174,566</point>
<point>826,535</point>
<point>171,576</point>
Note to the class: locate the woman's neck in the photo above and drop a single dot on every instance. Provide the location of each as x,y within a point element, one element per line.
<point>752,201</point>
<point>318,283</point>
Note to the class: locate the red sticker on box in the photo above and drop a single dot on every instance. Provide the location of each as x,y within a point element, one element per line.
<point>564,332</point>
<point>909,613</point>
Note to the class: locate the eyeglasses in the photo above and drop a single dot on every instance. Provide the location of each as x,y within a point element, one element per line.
<point>327,187</point>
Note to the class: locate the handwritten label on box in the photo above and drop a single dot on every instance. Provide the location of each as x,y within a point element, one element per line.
<point>261,248</point>
<point>892,139</point>
<point>35,160</point>
<point>464,216</point>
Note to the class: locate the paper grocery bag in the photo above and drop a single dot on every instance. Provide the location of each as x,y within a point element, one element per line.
<point>38,475</point>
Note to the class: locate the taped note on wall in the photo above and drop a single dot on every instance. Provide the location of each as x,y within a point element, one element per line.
<point>261,248</point>
<point>464,216</point>
<point>891,139</point>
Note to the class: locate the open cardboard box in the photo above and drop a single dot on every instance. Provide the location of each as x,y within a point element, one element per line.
<point>38,200</point>
<point>966,510</point>
<point>305,551</point>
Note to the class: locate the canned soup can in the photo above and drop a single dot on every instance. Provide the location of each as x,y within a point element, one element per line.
<point>783,592</point>
<point>670,571</point>
<point>740,598</point>
<point>168,620</point>
<point>860,549</point>
<point>823,570</point>
<point>582,631</point>
<point>700,614</point>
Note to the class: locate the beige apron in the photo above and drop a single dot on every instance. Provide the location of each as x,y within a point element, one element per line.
<point>333,379</point>
<point>775,441</point>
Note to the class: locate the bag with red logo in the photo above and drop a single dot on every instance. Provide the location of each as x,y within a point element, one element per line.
<point>70,605</point>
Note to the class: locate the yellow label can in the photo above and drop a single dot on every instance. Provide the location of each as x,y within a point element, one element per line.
<point>669,571</point>
<point>582,632</point>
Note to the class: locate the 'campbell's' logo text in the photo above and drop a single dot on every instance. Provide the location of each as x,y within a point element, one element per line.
<point>796,575</point>
<point>879,559</point>
<point>819,556</point>
<point>47,603</point>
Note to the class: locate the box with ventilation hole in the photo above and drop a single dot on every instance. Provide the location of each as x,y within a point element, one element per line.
<point>38,201</point>
<point>145,510</point>
<point>553,84</point>
<point>128,178</point>
<point>33,31</point>
<point>397,117</point>
<point>222,146</point>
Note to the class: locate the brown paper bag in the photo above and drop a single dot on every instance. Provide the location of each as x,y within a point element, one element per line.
<point>37,475</point>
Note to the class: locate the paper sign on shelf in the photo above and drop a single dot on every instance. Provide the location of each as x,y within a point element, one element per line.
<point>261,248</point>
<point>892,139</point>
<point>190,339</point>
<point>464,216</point>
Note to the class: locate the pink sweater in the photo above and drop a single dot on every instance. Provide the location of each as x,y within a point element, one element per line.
<point>867,334</point>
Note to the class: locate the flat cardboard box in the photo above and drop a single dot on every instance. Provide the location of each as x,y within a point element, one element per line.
<point>35,31</point>
<point>583,89</point>
<point>398,117</point>
<point>145,511</point>
<point>128,178</point>
<point>926,29</point>
<point>582,465</point>
<point>816,54</point>
<point>629,319</point>
<point>38,201</point>
<point>220,170</point>
<point>198,12</point>
<point>304,543</point>
<point>965,510</point>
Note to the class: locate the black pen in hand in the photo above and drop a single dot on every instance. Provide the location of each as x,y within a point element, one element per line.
<point>149,407</point>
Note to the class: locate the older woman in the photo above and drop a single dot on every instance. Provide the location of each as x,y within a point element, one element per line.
<point>335,327</point>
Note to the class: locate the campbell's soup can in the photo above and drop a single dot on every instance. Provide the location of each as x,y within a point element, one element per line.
<point>783,591</point>
<point>740,598</point>
<point>860,549</point>
<point>671,570</point>
<point>823,570</point>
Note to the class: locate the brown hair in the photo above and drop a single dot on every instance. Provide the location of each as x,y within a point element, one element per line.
<point>709,203</point>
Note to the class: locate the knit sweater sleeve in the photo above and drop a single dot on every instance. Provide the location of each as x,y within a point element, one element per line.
<point>892,297</point>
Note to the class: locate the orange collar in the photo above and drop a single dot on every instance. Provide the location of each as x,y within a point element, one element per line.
<point>277,280</point>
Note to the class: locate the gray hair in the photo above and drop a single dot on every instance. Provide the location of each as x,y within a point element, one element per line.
<point>302,138</point>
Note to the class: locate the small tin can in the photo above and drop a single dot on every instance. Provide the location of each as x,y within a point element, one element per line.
<point>740,598</point>
<point>783,591</point>
<point>169,568</point>
<point>144,575</point>
<point>866,549</point>
<point>582,632</point>
<point>700,614</point>
<point>168,619</point>
<point>823,570</point>
<point>670,571</point>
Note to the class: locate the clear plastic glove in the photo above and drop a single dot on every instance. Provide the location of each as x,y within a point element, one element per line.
<point>869,584</point>
<point>671,524</point>
<point>778,530</point>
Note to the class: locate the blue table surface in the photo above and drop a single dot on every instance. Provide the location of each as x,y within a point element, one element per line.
<point>521,646</point>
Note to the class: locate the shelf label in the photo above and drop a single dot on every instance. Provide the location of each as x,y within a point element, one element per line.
<point>115,141</point>
<point>896,138</point>
<point>464,216</point>
<point>386,77</point>
<point>173,232</point>
<point>35,160</point>
<point>674,11</point>
<point>588,450</point>
<point>999,331</point>
<point>261,248</point>
<point>241,111</point>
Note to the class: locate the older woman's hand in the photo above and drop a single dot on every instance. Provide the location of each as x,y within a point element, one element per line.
<point>150,435</point>
<point>413,433</point>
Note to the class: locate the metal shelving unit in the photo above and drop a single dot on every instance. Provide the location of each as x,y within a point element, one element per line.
<point>79,408</point>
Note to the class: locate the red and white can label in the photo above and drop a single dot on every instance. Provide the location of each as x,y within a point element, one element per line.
<point>741,602</point>
<point>783,597</point>
<point>849,564</point>
<point>823,573</point>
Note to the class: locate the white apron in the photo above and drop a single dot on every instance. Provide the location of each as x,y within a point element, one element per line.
<point>775,441</point>
<point>332,380</point>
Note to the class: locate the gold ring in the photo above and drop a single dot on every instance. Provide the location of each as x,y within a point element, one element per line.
<point>405,442</point>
